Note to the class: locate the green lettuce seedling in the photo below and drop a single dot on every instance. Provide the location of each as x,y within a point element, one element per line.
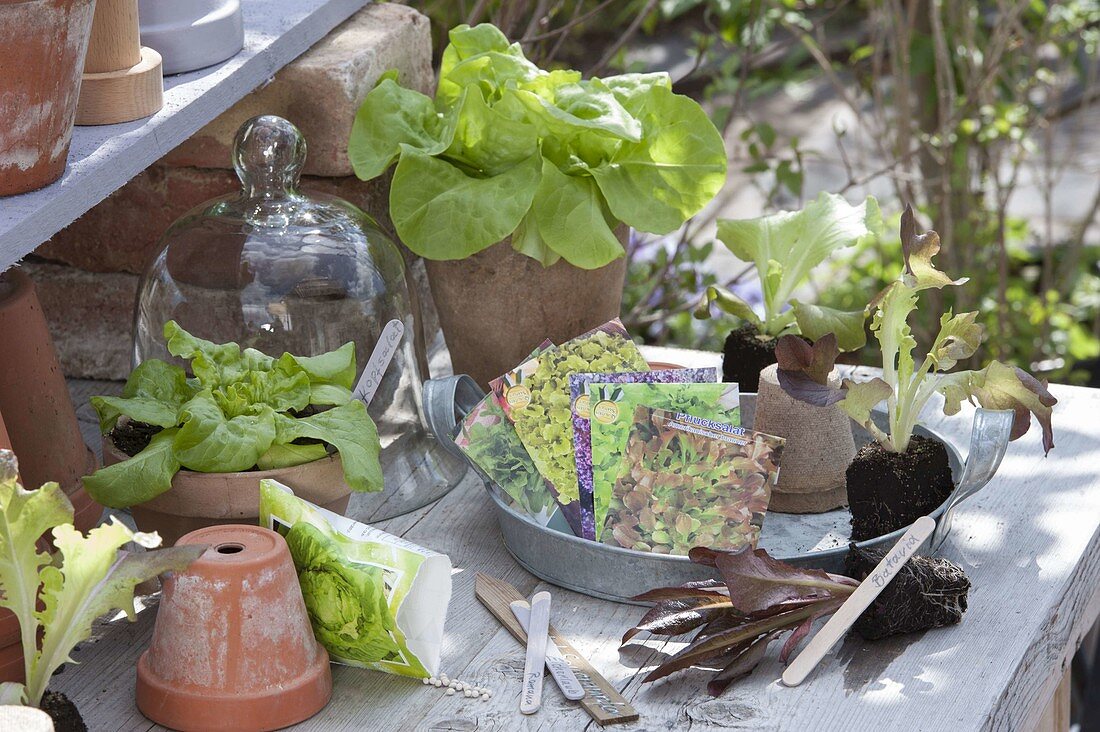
<point>241,410</point>
<point>785,247</point>
<point>56,601</point>
<point>907,384</point>
<point>546,157</point>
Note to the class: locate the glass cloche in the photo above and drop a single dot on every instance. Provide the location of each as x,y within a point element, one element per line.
<point>277,270</point>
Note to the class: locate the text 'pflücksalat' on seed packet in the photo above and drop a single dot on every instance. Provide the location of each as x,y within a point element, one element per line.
<point>607,401</point>
<point>535,396</point>
<point>612,421</point>
<point>691,481</point>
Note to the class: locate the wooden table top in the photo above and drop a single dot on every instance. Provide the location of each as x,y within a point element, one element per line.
<point>1030,542</point>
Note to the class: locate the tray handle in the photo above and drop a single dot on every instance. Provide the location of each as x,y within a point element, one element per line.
<point>446,402</point>
<point>988,441</point>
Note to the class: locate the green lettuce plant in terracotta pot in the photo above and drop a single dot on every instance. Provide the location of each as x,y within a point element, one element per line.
<point>519,186</point>
<point>55,599</point>
<point>899,476</point>
<point>184,452</point>
<point>784,248</point>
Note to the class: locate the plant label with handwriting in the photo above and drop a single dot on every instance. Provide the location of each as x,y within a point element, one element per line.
<point>580,406</point>
<point>490,441</point>
<point>610,427</point>
<point>691,482</point>
<point>535,397</point>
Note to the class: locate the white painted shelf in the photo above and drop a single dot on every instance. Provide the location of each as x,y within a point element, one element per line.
<point>103,158</point>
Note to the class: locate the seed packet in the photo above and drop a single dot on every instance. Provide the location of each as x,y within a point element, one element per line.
<point>608,431</point>
<point>375,600</point>
<point>582,444</point>
<point>489,440</point>
<point>691,482</point>
<point>535,396</point>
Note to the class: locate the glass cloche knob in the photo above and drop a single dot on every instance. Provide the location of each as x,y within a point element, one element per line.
<point>268,155</point>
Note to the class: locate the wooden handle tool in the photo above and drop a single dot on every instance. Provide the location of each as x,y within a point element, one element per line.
<point>602,700</point>
<point>858,601</point>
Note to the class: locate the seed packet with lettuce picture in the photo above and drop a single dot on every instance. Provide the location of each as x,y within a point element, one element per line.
<point>375,600</point>
<point>691,482</point>
<point>489,440</point>
<point>536,398</point>
<point>608,433</point>
<point>580,409</point>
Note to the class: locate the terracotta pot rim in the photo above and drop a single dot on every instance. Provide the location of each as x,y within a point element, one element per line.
<point>108,443</point>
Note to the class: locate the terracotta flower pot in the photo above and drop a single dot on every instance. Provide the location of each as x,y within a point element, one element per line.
<point>496,306</point>
<point>232,648</point>
<point>196,500</point>
<point>44,43</point>
<point>819,447</point>
<point>34,399</point>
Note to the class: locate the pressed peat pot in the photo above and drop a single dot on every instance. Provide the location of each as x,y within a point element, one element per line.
<point>232,647</point>
<point>819,447</point>
<point>496,306</point>
<point>26,719</point>
<point>197,500</point>
<point>745,354</point>
<point>44,43</point>
<point>34,399</point>
<point>889,490</point>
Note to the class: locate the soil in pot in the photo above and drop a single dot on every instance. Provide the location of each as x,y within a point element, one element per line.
<point>890,490</point>
<point>927,593</point>
<point>744,355</point>
<point>66,717</point>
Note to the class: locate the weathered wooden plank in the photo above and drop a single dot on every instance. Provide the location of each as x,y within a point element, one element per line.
<point>102,158</point>
<point>1029,541</point>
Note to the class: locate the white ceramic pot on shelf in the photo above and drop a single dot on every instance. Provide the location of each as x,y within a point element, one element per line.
<point>191,35</point>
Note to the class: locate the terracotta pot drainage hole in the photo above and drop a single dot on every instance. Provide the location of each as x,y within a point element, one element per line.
<point>229,548</point>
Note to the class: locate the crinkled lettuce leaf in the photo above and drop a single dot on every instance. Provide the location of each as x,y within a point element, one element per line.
<point>240,411</point>
<point>474,164</point>
<point>785,247</point>
<point>56,602</point>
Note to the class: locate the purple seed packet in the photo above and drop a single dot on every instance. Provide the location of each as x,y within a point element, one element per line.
<point>582,443</point>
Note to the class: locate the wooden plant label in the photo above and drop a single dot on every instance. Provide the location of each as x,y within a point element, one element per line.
<point>379,361</point>
<point>858,601</point>
<point>602,701</point>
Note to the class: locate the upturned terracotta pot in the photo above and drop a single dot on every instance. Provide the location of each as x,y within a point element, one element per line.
<point>197,500</point>
<point>496,306</point>
<point>232,648</point>
<point>44,43</point>
<point>34,399</point>
<point>819,447</point>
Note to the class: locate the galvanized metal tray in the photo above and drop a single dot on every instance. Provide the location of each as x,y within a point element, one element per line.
<point>613,573</point>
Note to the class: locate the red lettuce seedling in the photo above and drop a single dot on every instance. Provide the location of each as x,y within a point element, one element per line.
<point>907,384</point>
<point>761,598</point>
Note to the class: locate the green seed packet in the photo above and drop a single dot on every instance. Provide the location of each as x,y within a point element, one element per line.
<point>489,439</point>
<point>611,424</point>
<point>375,600</point>
<point>535,397</point>
<point>691,482</point>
